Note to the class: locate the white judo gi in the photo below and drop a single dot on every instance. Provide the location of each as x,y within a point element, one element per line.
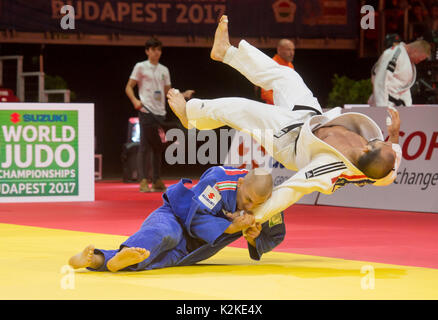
<point>392,76</point>
<point>286,131</point>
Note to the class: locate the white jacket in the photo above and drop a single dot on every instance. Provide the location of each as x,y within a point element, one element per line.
<point>321,167</point>
<point>392,76</point>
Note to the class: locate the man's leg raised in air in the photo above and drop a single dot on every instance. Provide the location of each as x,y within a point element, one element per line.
<point>242,114</point>
<point>288,86</point>
<point>260,120</point>
<point>257,119</point>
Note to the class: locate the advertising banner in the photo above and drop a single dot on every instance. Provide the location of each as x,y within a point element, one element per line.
<point>46,152</point>
<point>249,18</point>
<point>416,186</point>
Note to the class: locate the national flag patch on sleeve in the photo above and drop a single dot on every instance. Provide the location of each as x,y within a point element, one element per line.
<point>226,185</point>
<point>233,171</point>
<point>210,197</point>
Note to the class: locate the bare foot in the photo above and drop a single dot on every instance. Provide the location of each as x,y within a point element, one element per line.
<point>178,105</point>
<point>83,259</point>
<point>127,257</point>
<point>221,40</point>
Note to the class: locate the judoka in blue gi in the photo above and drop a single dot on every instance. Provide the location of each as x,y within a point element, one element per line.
<point>194,224</point>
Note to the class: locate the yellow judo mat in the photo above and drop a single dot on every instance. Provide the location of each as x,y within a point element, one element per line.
<point>33,265</point>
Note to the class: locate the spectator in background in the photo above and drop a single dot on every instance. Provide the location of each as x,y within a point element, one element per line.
<point>153,81</point>
<point>285,55</point>
<point>394,11</point>
<point>392,39</point>
<point>418,11</point>
<point>434,16</point>
<point>419,19</point>
<point>7,95</point>
<point>395,73</point>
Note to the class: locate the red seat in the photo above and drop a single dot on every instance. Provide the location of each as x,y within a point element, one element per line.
<point>7,95</point>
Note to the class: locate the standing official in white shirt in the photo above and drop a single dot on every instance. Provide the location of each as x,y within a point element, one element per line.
<point>153,81</point>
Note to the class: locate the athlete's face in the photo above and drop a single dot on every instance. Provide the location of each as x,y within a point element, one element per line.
<point>418,56</point>
<point>379,144</point>
<point>246,198</point>
<point>154,54</point>
<point>385,147</point>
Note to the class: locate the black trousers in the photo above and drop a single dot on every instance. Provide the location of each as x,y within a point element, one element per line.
<point>151,148</point>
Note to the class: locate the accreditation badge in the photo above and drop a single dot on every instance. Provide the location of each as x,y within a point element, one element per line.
<point>157,95</point>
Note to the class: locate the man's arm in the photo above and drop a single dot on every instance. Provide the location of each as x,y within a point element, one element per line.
<point>188,94</point>
<point>129,90</point>
<point>380,89</point>
<point>393,125</point>
<point>267,96</point>
<point>241,223</point>
<point>208,227</point>
<point>167,86</point>
<point>206,222</point>
<point>166,89</point>
<point>252,233</point>
<point>307,180</point>
<point>380,83</point>
<point>265,237</point>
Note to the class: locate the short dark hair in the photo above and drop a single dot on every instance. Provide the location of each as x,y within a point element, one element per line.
<point>153,43</point>
<point>373,165</point>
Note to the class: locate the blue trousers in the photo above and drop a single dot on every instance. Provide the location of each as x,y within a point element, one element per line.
<point>161,234</point>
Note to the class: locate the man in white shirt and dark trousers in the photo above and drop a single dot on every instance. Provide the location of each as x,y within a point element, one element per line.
<point>153,80</point>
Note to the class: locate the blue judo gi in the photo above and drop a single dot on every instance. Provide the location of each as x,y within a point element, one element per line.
<point>189,226</point>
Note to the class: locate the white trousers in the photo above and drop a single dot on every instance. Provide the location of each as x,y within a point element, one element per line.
<point>262,121</point>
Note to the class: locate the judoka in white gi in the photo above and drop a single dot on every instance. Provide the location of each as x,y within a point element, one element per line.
<point>328,150</point>
<point>395,73</point>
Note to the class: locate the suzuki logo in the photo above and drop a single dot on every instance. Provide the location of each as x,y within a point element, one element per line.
<point>15,117</point>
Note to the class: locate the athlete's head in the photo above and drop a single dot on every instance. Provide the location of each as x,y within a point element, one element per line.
<point>153,48</point>
<point>377,159</point>
<point>418,50</point>
<point>254,189</point>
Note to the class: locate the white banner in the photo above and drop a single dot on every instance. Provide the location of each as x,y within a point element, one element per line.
<point>416,186</point>
<point>46,152</point>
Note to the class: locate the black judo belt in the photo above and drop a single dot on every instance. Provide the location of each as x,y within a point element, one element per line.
<point>391,67</point>
<point>299,107</point>
<point>287,129</point>
<point>291,127</point>
<point>397,102</point>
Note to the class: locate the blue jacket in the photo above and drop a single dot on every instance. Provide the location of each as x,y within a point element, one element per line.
<point>201,212</point>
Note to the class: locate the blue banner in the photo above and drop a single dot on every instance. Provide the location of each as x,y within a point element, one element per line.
<point>248,18</point>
